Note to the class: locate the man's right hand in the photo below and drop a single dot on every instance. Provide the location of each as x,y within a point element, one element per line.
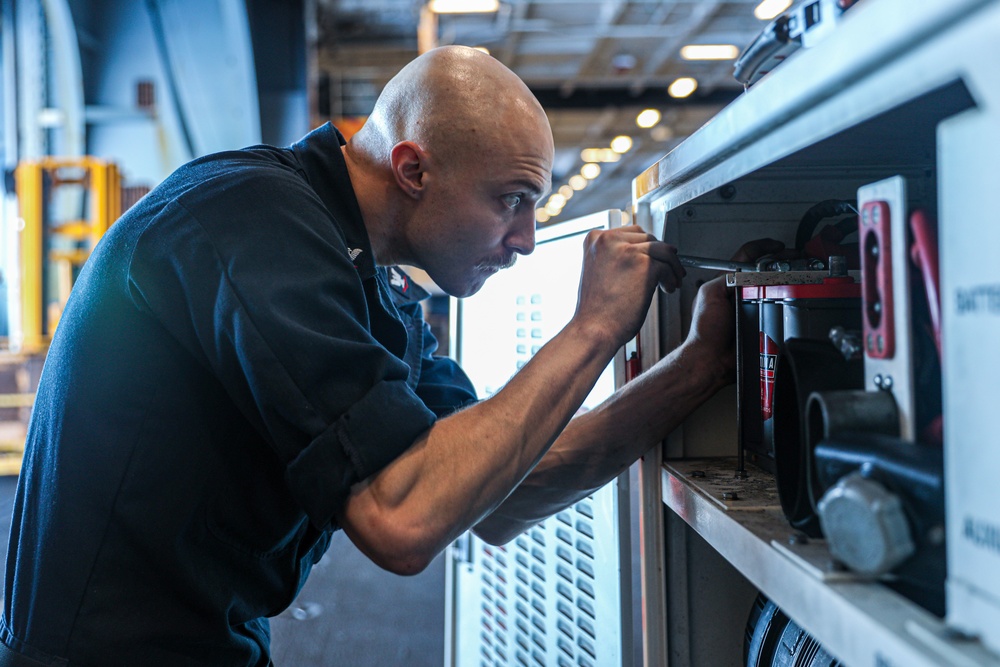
<point>621,268</point>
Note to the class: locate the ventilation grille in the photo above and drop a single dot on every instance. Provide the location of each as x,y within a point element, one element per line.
<point>540,596</point>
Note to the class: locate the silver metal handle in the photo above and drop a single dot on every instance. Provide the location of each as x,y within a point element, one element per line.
<point>716,264</point>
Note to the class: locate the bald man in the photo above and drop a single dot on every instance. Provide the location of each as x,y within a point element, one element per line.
<point>242,370</point>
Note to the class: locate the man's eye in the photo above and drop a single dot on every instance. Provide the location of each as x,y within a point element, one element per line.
<point>512,201</point>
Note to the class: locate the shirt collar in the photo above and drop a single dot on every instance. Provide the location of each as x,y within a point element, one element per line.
<point>322,160</point>
<point>404,290</point>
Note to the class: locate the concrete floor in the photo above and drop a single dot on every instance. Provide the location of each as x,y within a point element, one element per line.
<point>350,612</point>
<point>357,614</point>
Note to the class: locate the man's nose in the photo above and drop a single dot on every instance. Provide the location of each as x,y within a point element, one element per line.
<point>522,239</point>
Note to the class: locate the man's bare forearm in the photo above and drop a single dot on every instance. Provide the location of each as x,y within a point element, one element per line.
<point>466,464</point>
<point>598,445</point>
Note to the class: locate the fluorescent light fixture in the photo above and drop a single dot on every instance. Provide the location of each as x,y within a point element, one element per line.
<point>557,200</point>
<point>552,209</point>
<point>578,182</point>
<point>590,171</point>
<point>463,6</point>
<point>647,118</point>
<point>541,215</point>
<point>621,144</point>
<point>566,192</point>
<point>682,87</point>
<point>709,52</point>
<point>768,9</point>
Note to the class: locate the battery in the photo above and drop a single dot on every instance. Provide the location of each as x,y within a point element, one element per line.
<point>771,314</point>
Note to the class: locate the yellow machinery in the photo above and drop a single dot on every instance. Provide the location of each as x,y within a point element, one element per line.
<point>51,253</point>
<point>69,242</point>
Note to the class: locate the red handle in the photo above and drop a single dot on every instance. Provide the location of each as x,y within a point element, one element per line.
<point>924,253</point>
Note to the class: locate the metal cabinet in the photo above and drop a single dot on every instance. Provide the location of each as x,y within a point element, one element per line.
<point>905,88</point>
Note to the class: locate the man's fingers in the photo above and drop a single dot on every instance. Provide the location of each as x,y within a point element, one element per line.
<point>670,271</point>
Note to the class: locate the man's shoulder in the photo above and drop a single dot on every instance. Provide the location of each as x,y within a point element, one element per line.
<point>230,173</point>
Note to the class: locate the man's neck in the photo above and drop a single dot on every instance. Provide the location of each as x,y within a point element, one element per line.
<point>375,198</point>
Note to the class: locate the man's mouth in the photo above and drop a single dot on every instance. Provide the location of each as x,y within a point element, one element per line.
<point>498,263</point>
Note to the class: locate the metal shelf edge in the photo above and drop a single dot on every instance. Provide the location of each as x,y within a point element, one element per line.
<point>862,623</point>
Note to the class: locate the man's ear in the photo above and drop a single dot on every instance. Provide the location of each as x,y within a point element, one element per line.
<point>409,163</point>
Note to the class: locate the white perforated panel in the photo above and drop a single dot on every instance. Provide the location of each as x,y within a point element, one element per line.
<point>554,596</point>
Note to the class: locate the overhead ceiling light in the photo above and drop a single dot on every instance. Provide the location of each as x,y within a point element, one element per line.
<point>648,118</point>
<point>566,192</point>
<point>578,182</point>
<point>557,200</point>
<point>682,87</point>
<point>590,171</point>
<point>463,6</point>
<point>599,155</point>
<point>621,144</point>
<point>709,52</point>
<point>768,9</point>
<point>622,63</point>
<point>541,215</point>
<point>552,209</point>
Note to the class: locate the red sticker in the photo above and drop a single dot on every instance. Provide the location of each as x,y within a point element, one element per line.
<point>768,358</point>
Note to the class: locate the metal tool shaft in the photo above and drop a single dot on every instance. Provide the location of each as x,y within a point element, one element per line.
<point>716,264</point>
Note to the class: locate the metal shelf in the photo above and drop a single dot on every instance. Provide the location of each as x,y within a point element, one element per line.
<point>861,622</point>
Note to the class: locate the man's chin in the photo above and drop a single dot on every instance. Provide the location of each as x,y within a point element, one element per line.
<point>474,283</point>
<point>468,287</point>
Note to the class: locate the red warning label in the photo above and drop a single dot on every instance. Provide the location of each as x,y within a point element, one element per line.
<point>768,357</point>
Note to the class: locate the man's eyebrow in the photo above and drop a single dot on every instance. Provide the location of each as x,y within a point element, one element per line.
<point>531,187</point>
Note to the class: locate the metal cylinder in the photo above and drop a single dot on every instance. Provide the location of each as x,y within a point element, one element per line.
<point>835,413</point>
<point>832,413</point>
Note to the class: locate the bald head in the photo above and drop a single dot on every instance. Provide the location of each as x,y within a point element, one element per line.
<point>453,100</point>
<point>449,167</point>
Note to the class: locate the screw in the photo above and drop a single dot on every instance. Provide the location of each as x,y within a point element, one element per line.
<point>887,382</point>
<point>727,191</point>
<point>689,212</point>
<point>878,380</point>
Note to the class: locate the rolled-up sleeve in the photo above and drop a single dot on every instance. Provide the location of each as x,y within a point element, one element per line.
<point>274,309</point>
<point>359,444</point>
<point>444,387</point>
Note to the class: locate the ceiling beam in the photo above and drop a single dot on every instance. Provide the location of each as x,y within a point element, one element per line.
<point>553,97</point>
